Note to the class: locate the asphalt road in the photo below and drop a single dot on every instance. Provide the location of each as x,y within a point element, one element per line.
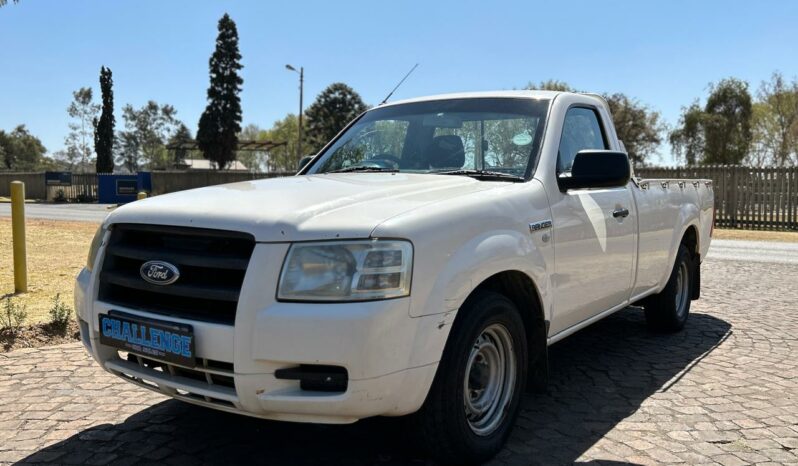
<point>75,212</point>
<point>754,251</point>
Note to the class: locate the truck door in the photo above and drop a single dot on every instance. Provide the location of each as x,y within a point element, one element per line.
<point>593,231</point>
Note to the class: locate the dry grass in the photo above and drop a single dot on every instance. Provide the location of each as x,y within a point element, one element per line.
<point>757,235</point>
<point>56,252</point>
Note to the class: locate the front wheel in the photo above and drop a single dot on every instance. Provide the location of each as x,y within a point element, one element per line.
<point>475,397</point>
<point>668,310</point>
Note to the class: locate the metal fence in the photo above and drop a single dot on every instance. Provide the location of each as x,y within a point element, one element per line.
<point>83,189</point>
<point>745,197</point>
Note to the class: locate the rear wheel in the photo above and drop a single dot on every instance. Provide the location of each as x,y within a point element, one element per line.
<point>668,310</point>
<point>474,399</point>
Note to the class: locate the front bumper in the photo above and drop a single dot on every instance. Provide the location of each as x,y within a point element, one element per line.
<point>382,348</point>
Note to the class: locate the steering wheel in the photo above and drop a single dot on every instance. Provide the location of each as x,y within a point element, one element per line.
<point>383,161</point>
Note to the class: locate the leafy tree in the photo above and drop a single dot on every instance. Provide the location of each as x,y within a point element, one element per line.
<point>727,124</point>
<point>721,132</point>
<point>774,123</point>
<point>639,127</point>
<point>3,2</point>
<point>551,85</point>
<point>128,151</point>
<point>83,112</point>
<point>283,158</point>
<point>220,123</point>
<point>253,160</point>
<point>336,106</point>
<point>104,127</point>
<point>146,132</point>
<point>66,160</point>
<point>182,134</point>
<point>688,138</point>
<point>22,151</point>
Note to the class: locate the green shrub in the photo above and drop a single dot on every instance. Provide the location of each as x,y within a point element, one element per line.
<point>60,314</point>
<point>13,316</point>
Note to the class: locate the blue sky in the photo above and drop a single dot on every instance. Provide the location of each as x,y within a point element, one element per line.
<point>662,53</point>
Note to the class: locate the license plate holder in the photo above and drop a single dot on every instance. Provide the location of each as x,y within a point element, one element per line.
<point>159,339</point>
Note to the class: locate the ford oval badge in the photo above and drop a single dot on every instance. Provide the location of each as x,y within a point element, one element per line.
<point>159,272</point>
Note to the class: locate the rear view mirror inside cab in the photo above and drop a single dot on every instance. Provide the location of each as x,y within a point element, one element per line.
<point>442,120</point>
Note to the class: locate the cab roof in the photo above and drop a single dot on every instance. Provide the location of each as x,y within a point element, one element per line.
<point>526,94</point>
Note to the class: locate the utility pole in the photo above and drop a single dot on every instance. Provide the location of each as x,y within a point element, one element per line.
<point>301,91</point>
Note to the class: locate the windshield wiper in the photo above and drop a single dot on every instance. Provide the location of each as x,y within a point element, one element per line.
<point>483,175</point>
<point>361,168</point>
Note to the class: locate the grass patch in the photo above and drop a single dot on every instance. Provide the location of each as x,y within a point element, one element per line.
<point>56,252</point>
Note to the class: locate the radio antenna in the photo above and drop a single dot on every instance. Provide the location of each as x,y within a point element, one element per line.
<point>400,83</point>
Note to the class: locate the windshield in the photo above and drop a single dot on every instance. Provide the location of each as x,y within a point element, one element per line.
<point>493,135</point>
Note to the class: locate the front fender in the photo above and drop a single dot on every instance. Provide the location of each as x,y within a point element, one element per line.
<point>460,242</point>
<point>475,261</point>
<point>480,258</point>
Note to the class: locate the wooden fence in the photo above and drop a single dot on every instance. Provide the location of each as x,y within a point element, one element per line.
<point>745,197</point>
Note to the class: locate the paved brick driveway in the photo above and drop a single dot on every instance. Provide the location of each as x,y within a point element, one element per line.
<point>723,391</point>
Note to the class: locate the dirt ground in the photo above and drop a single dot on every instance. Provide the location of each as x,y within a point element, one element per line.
<point>756,235</point>
<point>56,252</point>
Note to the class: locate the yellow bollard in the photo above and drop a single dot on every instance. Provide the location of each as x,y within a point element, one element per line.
<point>18,236</point>
<point>141,195</point>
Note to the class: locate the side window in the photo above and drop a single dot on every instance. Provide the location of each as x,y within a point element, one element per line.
<point>581,130</point>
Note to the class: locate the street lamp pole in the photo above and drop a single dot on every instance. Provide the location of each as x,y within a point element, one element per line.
<point>301,91</point>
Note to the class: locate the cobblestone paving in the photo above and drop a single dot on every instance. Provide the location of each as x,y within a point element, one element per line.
<point>723,391</point>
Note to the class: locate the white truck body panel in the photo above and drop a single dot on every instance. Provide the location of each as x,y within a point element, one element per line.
<point>463,231</point>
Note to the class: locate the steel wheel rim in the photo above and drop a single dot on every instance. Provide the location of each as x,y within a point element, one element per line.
<point>489,379</point>
<point>682,291</point>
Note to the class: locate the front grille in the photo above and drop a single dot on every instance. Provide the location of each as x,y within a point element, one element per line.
<point>212,265</point>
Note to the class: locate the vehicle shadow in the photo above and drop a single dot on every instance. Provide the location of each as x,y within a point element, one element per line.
<point>599,376</point>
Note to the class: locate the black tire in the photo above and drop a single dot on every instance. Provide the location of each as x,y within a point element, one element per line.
<point>668,311</point>
<point>442,423</point>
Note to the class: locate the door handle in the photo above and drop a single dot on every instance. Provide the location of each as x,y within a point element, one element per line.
<point>623,213</point>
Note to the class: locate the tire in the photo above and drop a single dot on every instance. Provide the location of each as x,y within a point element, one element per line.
<point>486,357</point>
<point>668,311</point>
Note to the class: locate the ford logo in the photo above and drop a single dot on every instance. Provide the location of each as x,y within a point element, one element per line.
<point>159,272</point>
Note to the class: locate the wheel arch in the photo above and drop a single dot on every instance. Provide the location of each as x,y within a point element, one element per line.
<point>521,289</point>
<point>690,239</point>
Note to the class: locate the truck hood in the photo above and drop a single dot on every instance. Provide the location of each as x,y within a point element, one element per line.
<point>301,208</point>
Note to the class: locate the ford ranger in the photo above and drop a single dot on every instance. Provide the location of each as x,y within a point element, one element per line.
<point>419,265</point>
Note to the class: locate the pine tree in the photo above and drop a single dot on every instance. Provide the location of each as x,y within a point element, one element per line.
<point>182,135</point>
<point>104,127</point>
<point>220,123</point>
<point>333,109</point>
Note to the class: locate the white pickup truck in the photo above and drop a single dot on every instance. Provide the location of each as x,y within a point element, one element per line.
<point>420,265</point>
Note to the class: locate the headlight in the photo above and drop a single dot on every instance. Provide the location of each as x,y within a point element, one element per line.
<point>95,247</point>
<point>346,271</point>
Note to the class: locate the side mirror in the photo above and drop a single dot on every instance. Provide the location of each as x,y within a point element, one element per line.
<point>303,161</point>
<point>597,169</point>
